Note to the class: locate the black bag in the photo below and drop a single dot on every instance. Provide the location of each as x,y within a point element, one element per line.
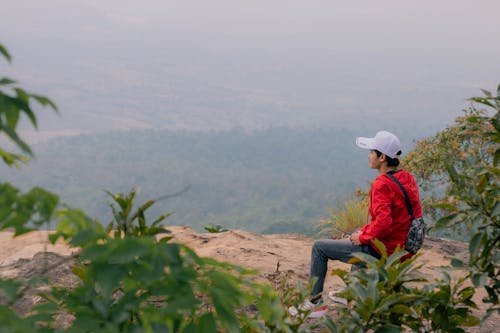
<point>416,233</point>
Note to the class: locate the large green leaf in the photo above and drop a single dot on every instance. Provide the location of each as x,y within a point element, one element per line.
<point>5,53</point>
<point>9,158</point>
<point>94,252</point>
<point>444,205</point>
<point>108,277</point>
<point>44,101</point>
<point>127,250</point>
<point>6,81</point>
<point>387,328</point>
<point>206,324</point>
<point>446,220</point>
<point>84,237</point>
<point>17,140</point>
<point>74,221</point>
<point>475,244</point>
<point>10,288</point>
<point>12,115</point>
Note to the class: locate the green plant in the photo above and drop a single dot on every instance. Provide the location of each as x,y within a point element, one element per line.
<point>386,297</point>
<point>22,212</point>
<point>292,294</point>
<point>465,159</point>
<point>349,216</point>
<point>380,295</point>
<point>25,211</point>
<point>447,305</point>
<point>132,282</point>
<point>477,191</point>
<point>212,228</point>
<point>14,102</point>
<point>126,222</point>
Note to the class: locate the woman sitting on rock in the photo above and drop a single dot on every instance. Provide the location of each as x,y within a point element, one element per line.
<point>388,216</point>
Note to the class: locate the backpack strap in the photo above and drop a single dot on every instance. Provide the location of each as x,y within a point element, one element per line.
<point>407,199</point>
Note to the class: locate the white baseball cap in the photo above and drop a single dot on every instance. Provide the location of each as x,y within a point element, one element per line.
<point>385,142</point>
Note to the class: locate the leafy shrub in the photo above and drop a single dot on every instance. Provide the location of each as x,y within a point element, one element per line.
<point>293,294</point>
<point>465,157</point>
<point>447,305</point>
<point>133,282</point>
<point>14,102</point>
<point>386,297</point>
<point>22,212</point>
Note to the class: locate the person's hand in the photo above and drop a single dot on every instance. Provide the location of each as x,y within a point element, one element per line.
<point>355,238</point>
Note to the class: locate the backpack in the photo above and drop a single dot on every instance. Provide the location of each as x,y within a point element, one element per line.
<point>416,233</point>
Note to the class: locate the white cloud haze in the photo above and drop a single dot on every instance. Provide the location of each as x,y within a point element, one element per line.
<point>220,64</point>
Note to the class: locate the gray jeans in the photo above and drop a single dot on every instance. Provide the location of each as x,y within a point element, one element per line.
<point>334,249</point>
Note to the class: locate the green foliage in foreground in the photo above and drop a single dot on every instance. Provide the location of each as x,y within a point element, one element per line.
<point>464,158</point>
<point>384,297</point>
<point>25,212</point>
<point>477,190</point>
<point>134,282</point>
<point>137,281</point>
<point>15,102</point>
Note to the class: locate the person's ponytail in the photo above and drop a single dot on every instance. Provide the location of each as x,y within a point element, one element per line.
<point>391,162</point>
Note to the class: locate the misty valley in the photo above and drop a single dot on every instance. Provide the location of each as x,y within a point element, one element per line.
<point>275,180</point>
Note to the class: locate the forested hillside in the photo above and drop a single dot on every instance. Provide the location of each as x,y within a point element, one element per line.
<point>279,179</point>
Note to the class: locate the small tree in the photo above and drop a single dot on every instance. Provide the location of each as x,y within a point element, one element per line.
<point>463,161</point>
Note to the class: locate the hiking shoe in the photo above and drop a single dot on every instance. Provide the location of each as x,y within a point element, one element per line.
<point>332,296</point>
<point>316,310</point>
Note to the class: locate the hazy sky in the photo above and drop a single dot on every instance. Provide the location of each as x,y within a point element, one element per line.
<point>218,64</point>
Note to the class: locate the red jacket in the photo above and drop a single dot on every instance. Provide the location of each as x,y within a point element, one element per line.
<point>390,221</point>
